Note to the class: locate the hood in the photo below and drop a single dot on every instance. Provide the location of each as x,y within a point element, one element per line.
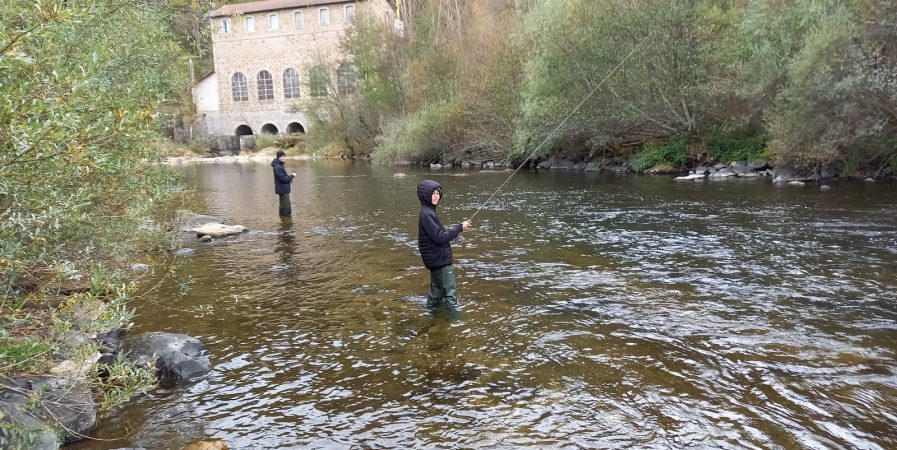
<point>276,161</point>
<point>425,192</point>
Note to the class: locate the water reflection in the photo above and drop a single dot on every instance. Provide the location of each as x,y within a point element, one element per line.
<point>595,311</point>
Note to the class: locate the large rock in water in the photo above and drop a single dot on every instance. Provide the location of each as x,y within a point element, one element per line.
<point>218,230</point>
<point>63,407</point>
<point>175,356</point>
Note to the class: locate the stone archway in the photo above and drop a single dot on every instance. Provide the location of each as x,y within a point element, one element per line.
<point>269,128</point>
<point>295,127</point>
<point>244,130</point>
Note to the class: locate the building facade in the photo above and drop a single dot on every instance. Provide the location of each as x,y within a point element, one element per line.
<point>270,57</point>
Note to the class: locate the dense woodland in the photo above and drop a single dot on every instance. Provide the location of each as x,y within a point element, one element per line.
<point>802,81</point>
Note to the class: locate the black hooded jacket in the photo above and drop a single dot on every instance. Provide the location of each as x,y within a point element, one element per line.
<point>282,179</point>
<point>432,238</point>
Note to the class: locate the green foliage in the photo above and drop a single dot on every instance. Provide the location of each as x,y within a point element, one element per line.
<point>79,95</point>
<point>672,153</point>
<point>417,137</point>
<point>120,381</point>
<point>263,141</point>
<point>27,357</point>
<point>739,146</point>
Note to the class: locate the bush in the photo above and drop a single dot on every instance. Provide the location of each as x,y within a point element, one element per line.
<point>743,146</point>
<point>672,153</point>
<point>264,140</point>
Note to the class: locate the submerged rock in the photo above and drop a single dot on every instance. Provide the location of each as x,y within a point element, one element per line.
<point>219,230</point>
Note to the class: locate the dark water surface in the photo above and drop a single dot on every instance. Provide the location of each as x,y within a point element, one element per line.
<point>597,311</point>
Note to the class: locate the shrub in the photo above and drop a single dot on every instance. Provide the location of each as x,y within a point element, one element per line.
<point>672,152</point>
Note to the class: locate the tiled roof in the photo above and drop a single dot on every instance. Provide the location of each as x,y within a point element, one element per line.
<point>269,5</point>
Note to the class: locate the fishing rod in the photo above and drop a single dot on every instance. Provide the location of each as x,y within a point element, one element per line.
<point>558,127</point>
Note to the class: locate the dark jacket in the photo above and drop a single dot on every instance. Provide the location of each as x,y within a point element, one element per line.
<point>432,238</point>
<point>282,179</point>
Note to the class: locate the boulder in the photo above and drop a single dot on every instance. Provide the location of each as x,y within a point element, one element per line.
<point>702,170</point>
<point>758,164</point>
<point>563,164</point>
<point>206,445</point>
<point>787,172</point>
<point>435,166</point>
<point>742,168</point>
<point>218,230</point>
<point>663,169</point>
<point>825,187</point>
<point>175,356</point>
<point>65,407</point>
<point>189,220</point>
<point>694,176</point>
<point>19,429</point>
<point>723,173</point>
<point>797,183</point>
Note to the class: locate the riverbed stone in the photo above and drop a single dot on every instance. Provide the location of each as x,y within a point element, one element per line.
<point>174,355</point>
<point>215,444</point>
<point>797,183</point>
<point>825,187</point>
<point>690,177</point>
<point>758,164</point>
<point>787,172</point>
<point>65,407</point>
<point>18,429</point>
<point>723,173</point>
<point>219,230</point>
<point>435,166</point>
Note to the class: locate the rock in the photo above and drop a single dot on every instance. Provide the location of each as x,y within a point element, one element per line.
<point>399,175</point>
<point>68,408</point>
<point>694,176</point>
<point>563,164</point>
<point>663,169</point>
<point>190,220</point>
<point>742,168</point>
<point>758,164</point>
<point>788,172</point>
<point>33,435</point>
<point>580,166</point>
<point>489,165</point>
<point>825,187</point>
<point>205,239</point>
<point>869,180</point>
<point>175,356</point>
<point>435,166</point>
<point>796,183</point>
<point>593,167</point>
<point>219,230</point>
<point>544,165</point>
<point>718,166</point>
<point>207,445</point>
<point>140,268</point>
<point>724,173</point>
<point>70,369</point>
<point>702,170</point>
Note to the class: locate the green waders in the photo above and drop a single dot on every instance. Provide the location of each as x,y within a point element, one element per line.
<point>442,287</point>
<point>285,207</point>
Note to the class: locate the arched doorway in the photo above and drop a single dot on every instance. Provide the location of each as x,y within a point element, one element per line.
<point>244,130</point>
<point>295,127</point>
<point>269,128</point>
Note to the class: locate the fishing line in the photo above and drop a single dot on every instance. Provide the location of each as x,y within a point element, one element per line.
<point>558,127</point>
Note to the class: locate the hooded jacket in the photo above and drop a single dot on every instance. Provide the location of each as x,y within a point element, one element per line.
<point>282,179</point>
<point>433,239</point>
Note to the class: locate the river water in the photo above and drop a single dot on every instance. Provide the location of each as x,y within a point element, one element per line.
<point>596,311</point>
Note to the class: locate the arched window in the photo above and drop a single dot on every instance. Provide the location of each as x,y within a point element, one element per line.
<point>349,13</point>
<point>317,81</point>
<point>345,78</point>
<point>239,87</point>
<point>290,83</point>
<point>274,21</point>
<point>298,20</point>
<point>266,85</point>
<point>324,16</point>
<point>250,24</point>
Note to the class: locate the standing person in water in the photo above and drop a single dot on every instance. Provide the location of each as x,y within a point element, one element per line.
<point>282,182</point>
<point>433,240</point>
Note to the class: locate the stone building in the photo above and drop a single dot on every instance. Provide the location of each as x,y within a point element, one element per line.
<point>270,56</point>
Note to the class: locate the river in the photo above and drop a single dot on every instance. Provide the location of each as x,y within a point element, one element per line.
<point>597,311</point>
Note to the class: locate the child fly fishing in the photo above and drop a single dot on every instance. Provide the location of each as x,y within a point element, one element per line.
<point>434,243</point>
